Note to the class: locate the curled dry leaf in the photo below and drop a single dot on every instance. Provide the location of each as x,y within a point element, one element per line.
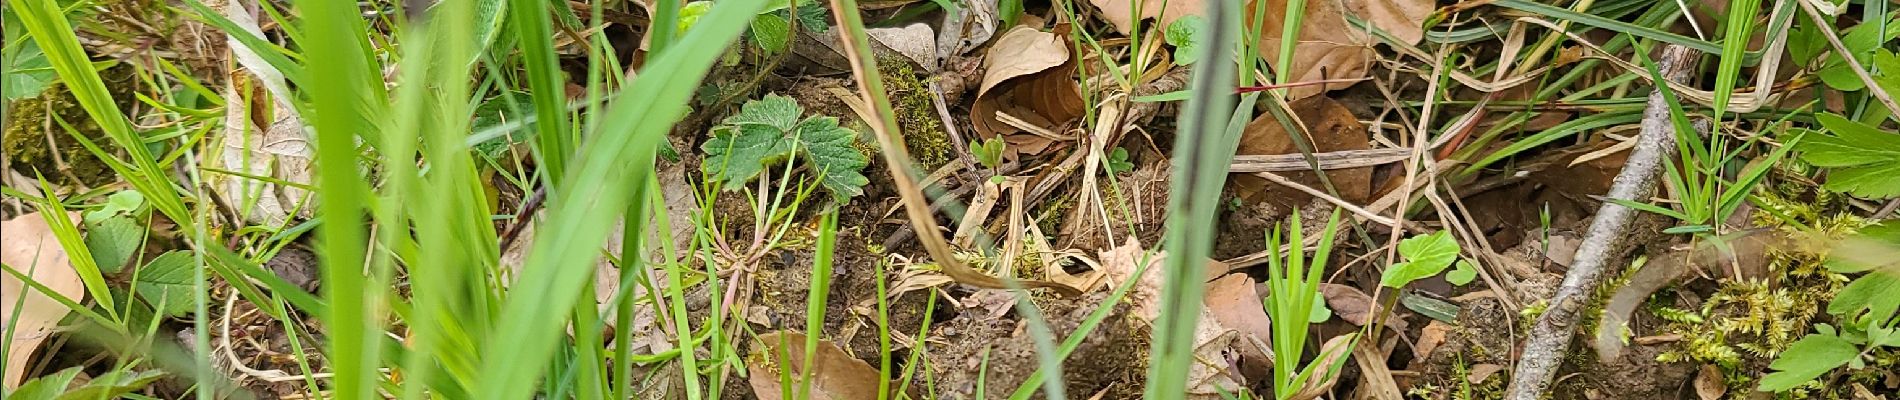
<point>1215,372</point>
<point>834,374</point>
<point>1028,85</point>
<point>1235,304</point>
<point>1330,127</point>
<point>31,249</point>
<point>822,52</point>
<point>265,138</point>
<point>968,27</point>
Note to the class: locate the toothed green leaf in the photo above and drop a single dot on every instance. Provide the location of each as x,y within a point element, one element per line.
<point>767,132</point>
<point>113,241</point>
<point>1865,160</point>
<point>166,281</point>
<point>773,110</point>
<point>831,150</point>
<point>735,155</point>
<point>772,32</point>
<point>1807,359</point>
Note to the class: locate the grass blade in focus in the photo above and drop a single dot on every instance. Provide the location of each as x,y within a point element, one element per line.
<point>1204,146</point>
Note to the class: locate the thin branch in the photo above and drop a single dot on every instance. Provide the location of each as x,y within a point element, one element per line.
<point>1606,239</point>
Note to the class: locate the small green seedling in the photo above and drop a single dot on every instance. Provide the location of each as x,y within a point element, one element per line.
<point>989,152</point>
<point>768,131</point>
<point>125,202</point>
<point>1118,161</point>
<point>1180,34</point>
<point>1426,256</point>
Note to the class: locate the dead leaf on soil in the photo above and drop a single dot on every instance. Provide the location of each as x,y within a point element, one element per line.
<point>1331,356</point>
<point>1120,13</point>
<point>1709,384</point>
<point>1330,127</point>
<point>30,249</point>
<point>1481,372</point>
<point>834,374</point>
<point>973,25</point>
<point>916,42</point>
<point>1029,92</point>
<point>1429,338</point>
<point>1349,303</point>
<point>1329,48</point>
<point>1214,373</point>
<point>1235,304</point>
<point>267,139</point>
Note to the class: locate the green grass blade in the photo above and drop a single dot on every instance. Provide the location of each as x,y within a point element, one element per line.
<point>348,101</point>
<point>1741,22</point>
<point>49,28</point>
<point>562,258</point>
<point>554,140</point>
<point>1203,148</point>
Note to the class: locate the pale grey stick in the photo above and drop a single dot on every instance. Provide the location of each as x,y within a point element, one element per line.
<point>1604,243</point>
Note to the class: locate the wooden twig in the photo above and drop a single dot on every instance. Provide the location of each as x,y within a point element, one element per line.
<point>1329,160</point>
<point>1605,241</point>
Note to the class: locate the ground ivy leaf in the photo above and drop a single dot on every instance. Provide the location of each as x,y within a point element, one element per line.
<point>735,155</point>
<point>773,33</point>
<point>1866,161</point>
<point>1807,359</point>
<point>833,153</point>
<point>113,241</point>
<point>166,281</point>
<point>779,112</point>
<point>1425,256</point>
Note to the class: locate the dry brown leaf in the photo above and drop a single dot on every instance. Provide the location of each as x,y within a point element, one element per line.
<point>1028,79</point>
<point>267,139</point>
<point>1330,127</point>
<point>1349,303</point>
<point>1709,384</point>
<point>1481,372</point>
<point>1330,48</point>
<point>1214,372</point>
<point>916,42</point>
<point>1236,305</point>
<point>834,374</point>
<point>1121,14</point>
<point>1331,355</point>
<point>1429,338</point>
<point>31,249</point>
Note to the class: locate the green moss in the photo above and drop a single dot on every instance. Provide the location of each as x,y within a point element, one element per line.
<point>31,123</point>
<point>916,109</point>
<point>1745,324</point>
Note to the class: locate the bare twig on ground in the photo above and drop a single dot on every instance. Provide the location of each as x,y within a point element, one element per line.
<point>1605,241</point>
